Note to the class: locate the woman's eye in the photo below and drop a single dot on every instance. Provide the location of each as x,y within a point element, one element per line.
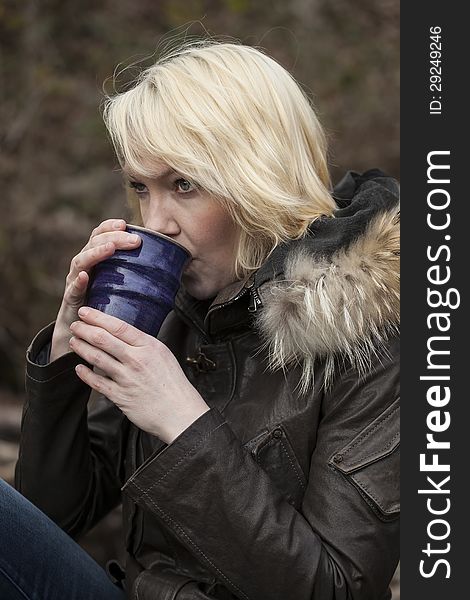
<point>139,188</point>
<point>184,186</point>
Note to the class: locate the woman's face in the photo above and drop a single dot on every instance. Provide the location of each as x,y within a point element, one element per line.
<point>175,207</point>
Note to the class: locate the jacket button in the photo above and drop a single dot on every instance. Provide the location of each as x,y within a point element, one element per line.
<point>338,458</point>
<point>277,433</point>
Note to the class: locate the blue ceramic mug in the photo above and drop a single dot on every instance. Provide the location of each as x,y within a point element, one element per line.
<point>139,286</point>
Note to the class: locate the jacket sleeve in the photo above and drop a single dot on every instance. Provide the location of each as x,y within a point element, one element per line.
<point>71,444</point>
<point>343,542</point>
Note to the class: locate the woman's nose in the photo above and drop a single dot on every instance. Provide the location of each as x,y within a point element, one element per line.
<point>162,219</point>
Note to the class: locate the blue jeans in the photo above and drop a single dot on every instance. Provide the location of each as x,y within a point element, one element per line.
<point>38,561</point>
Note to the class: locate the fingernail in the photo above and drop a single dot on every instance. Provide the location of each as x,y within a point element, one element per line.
<point>118,225</point>
<point>134,237</point>
<point>83,311</point>
<point>71,340</point>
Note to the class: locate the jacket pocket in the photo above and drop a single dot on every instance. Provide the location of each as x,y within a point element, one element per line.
<point>273,452</point>
<point>371,462</point>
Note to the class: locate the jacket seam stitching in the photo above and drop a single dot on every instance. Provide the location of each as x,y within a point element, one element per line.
<point>379,503</point>
<point>184,534</point>
<point>370,432</point>
<point>376,502</point>
<point>50,378</point>
<point>367,498</point>
<point>139,581</point>
<point>370,458</point>
<point>199,443</point>
<point>294,468</point>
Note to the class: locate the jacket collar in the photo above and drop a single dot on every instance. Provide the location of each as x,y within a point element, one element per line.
<point>209,316</point>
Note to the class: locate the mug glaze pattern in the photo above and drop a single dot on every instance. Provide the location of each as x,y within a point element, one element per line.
<point>139,286</point>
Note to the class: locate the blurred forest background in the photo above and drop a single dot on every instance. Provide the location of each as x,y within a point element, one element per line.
<point>57,166</point>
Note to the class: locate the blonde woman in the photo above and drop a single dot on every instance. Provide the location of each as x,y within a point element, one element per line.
<point>254,444</point>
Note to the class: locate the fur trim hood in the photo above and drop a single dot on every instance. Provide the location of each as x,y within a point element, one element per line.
<point>334,294</point>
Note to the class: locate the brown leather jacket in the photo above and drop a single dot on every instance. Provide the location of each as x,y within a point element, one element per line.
<point>288,488</point>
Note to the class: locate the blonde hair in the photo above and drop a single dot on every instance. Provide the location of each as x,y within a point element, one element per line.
<point>236,123</point>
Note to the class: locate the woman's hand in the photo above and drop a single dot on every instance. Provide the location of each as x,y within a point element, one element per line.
<point>104,240</point>
<point>137,372</point>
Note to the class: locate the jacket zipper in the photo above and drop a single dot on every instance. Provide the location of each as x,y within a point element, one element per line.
<point>241,293</point>
<point>254,304</point>
<point>255,301</point>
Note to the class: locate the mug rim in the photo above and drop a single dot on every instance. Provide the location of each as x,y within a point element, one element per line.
<point>158,234</point>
